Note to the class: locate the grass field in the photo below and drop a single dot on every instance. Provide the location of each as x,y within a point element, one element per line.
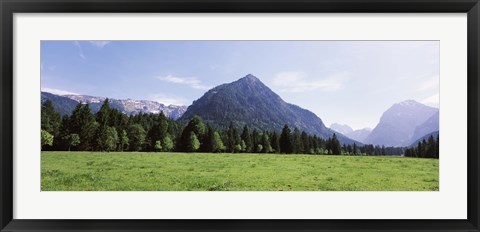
<point>116,171</point>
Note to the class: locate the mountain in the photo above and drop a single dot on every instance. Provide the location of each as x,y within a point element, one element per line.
<point>359,135</point>
<point>344,129</point>
<point>62,105</point>
<point>415,143</point>
<point>248,101</point>
<point>66,103</point>
<point>397,125</point>
<point>426,128</point>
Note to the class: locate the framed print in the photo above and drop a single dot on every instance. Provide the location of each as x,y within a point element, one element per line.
<point>238,115</point>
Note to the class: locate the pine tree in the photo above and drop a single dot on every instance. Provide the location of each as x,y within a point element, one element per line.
<point>247,139</point>
<point>196,126</point>
<point>305,145</point>
<point>296,141</point>
<point>218,143</point>
<point>266,148</point>
<point>208,144</point>
<point>334,145</point>
<point>167,143</point>
<point>233,139</point>
<point>83,123</point>
<point>430,148</point>
<point>102,116</point>
<point>275,143</point>
<point>111,140</point>
<point>123,140</point>
<point>286,141</point>
<point>136,136</point>
<point>50,119</point>
<point>255,140</point>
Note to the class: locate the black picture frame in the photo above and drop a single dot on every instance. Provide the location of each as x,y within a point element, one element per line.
<point>9,7</point>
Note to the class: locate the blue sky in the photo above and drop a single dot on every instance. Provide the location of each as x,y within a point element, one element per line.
<point>347,82</point>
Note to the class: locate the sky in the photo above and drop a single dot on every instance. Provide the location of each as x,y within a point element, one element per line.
<point>346,82</point>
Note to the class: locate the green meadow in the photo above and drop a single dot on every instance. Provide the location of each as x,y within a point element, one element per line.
<point>142,171</point>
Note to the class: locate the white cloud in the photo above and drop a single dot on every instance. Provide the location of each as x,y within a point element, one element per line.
<point>432,83</point>
<point>433,100</point>
<point>80,51</point>
<point>99,44</point>
<point>58,91</point>
<point>298,82</point>
<point>168,99</point>
<point>193,82</point>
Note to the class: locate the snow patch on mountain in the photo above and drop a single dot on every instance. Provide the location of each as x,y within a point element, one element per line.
<point>131,106</point>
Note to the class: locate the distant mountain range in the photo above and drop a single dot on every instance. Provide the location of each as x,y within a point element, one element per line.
<point>248,101</point>
<point>66,103</point>
<point>403,123</point>
<point>358,135</point>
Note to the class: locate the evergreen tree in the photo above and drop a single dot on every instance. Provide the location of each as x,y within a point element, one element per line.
<point>266,148</point>
<point>297,142</point>
<point>275,143</point>
<point>217,144</point>
<point>123,140</point>
<point>111,140</point>
<point>247,139</point>
<point>208,144</point>
<point>196,126</point>
<point>286,141</point>
<point>83,123</point>
<point>255,140</point>
<point>334,146</point>
<point>305,145</point>
<point>233,139</point>
<point>167,143</point>
<point>50,119</point>
<point>102,116</point>
<point>101,134</point>
<point>136,136</point>
<point>158,131</point>
<point>431,147</point>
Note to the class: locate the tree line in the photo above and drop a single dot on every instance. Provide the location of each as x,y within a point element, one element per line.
<point>425,149</point>
<point>111,130</point>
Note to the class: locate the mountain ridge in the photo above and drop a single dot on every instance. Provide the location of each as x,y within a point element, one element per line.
<point>247,101</point>
<point>127,106</point>
<point>397,124</point>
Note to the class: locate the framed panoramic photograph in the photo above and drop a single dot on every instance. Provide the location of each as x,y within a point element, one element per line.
<point>239,115</point>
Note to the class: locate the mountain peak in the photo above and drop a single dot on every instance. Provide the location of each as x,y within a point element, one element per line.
<point>247,101</point>
<point>408,103</point>
<point>398,123</point>
<point>250,77</point>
